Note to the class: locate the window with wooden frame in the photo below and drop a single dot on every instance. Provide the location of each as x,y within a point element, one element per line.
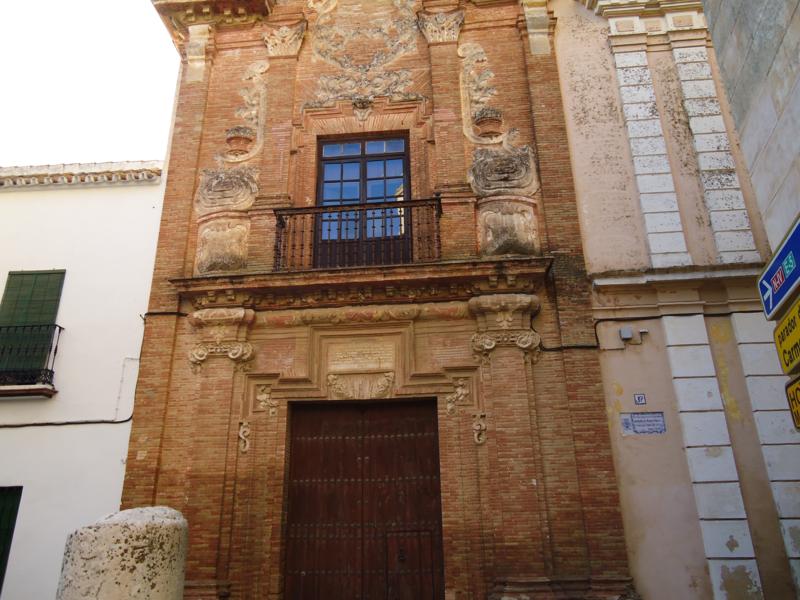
<point>363,181</point>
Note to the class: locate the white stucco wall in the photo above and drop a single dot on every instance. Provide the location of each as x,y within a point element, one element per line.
<point>104,236</point>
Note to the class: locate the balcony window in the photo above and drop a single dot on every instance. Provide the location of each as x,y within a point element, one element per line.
<point>364,214</point>
<point>28,330</point>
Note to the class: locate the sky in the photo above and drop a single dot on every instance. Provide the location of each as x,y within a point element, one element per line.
<point>84,81</point>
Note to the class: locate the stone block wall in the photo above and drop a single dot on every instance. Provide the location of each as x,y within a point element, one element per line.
<point>757,45</point>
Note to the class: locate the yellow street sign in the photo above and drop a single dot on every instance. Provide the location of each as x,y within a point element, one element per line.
<point>787,339</point>
<point>793,396</point>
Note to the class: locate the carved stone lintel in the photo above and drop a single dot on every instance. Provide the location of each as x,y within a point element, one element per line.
<point>507,225</point>
<point>458,395</point>
<point>360,386</point>
<point>440,27</point>
<point>244,436</point>
<point>479,428</point>
<point>285,40</point>
<point>504,171</point>
<point>368,314</point>
<point>226,189</point>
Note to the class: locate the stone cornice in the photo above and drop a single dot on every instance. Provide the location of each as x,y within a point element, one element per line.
<point>640,8</point>
<point>179,15</point>
<point>446,281</point>
<point>80,174</point>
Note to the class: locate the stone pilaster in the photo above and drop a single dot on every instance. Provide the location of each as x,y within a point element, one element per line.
<point>441,30</point>
<point>505,343</point>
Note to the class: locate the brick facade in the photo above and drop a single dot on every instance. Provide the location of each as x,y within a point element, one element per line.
<point>504,343</point>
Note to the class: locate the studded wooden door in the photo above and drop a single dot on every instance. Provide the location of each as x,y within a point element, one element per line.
<point>364,512</point>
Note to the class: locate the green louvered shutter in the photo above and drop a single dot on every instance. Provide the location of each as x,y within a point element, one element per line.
<point>9,506</point>
<point>27,312</point>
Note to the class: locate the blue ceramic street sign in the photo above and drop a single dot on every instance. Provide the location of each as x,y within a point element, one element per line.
<point>781,277</point>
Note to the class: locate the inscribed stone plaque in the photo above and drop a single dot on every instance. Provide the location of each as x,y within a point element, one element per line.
<point>360,356</point>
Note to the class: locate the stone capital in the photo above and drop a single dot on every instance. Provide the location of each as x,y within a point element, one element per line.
<point>504,311</point>
<point>284,40</point>
<point>441,27</point>
<point>223,332</point>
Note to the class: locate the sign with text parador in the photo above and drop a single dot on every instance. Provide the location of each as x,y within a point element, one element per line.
<point>787,339</point>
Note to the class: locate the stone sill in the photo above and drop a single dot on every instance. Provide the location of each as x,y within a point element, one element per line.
<point>37,390</point>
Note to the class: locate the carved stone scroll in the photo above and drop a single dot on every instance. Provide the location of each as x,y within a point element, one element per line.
<point>284,40</point>
<point>507,225</point>
<point>441,27</point>
<point>226,189</point>
<point>244,436</point>
<point>222,245</point>
<point>479,428</point>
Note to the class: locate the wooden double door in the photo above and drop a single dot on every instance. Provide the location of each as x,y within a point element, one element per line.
<point>364,503</point>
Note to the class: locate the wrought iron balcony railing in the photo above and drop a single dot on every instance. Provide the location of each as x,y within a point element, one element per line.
<point>357,235</point>
<point>27,354</point>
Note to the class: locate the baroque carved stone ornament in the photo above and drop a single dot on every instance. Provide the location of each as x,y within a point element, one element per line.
<point>504,320</point>
<point>479,428</point>
<point>226,189</point>
<point>507,225</point>
<point>507,170</point>
<point>244,436</point>
<point>458,395</point>
<point>222,245</point>
<point>285,40</point>
<point>253,113</point>
<point>360,386</point>
<point>223,331</point>
<point>265,400</point>
<point>360,79</point>
<point>441,26</point>
<point>476,93</point>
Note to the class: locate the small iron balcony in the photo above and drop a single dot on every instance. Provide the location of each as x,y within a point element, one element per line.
<point>27,354</point>
<point>357,235</point>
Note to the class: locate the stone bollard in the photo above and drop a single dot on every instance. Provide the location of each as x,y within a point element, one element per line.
<point>133,554</point>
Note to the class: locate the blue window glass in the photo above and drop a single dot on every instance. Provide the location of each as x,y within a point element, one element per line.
<point>394,167</point>
<point>333,172</point>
